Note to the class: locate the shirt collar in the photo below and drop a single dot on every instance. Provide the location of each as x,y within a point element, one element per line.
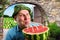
<point>18,28</point>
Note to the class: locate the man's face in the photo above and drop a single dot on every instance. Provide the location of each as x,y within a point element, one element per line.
<point>23,18</point>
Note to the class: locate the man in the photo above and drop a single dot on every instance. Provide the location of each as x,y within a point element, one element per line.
<point>22,16</point>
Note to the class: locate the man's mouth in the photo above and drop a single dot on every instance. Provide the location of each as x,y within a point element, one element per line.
<point>26,22</point>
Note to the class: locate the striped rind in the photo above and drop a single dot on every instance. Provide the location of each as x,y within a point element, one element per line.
<point>37,36</point>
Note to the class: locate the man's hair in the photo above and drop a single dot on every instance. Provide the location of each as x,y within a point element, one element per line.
<point>17,8</point>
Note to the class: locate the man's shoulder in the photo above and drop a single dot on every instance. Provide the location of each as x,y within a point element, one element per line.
<point>12,31</point>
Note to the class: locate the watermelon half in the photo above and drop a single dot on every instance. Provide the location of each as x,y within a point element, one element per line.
<point>36,33</point>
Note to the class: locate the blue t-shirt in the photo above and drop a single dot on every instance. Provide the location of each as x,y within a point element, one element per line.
<point>16,34</point>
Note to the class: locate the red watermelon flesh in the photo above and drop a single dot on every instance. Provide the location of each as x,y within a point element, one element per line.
<point>36,29</point>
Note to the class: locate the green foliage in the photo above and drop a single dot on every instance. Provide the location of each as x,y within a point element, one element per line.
<point>1,14</point>
<point>54,30</point>
<point>5,1</point>
<point>8,23</point>
<point>51,38</point>
<point>31,14</point>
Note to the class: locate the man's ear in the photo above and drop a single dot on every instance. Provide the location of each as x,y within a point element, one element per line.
<point>15,18</point>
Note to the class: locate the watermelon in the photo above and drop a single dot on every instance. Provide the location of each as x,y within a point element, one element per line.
<point>36,32</point>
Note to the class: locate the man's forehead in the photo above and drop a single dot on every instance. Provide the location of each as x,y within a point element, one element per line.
<point>24,11</point>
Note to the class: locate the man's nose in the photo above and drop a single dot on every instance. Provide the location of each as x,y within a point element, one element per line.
<point>26,17</point>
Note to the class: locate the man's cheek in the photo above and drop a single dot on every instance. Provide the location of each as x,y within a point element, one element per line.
<point>21,18</point>
<point>29,19</point>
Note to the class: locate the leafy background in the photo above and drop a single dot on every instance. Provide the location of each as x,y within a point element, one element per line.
<point>8,23</point>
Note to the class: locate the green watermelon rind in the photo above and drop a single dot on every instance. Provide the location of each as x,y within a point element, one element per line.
<point>43,36</point>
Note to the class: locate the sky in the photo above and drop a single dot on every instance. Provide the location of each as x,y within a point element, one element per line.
<point>9,11</point>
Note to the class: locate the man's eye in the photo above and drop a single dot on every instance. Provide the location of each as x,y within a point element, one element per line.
<point>20,15</point>
<point>27,14</point>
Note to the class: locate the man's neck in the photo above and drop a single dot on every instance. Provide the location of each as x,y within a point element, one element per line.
<point>22,26</point>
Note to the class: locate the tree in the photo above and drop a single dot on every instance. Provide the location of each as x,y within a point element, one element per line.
<point>3,4</point>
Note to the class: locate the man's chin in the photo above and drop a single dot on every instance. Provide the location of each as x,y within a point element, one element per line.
<point>27,25</point>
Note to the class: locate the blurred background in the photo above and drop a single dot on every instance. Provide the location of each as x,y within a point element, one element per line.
<point>48,15</point>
